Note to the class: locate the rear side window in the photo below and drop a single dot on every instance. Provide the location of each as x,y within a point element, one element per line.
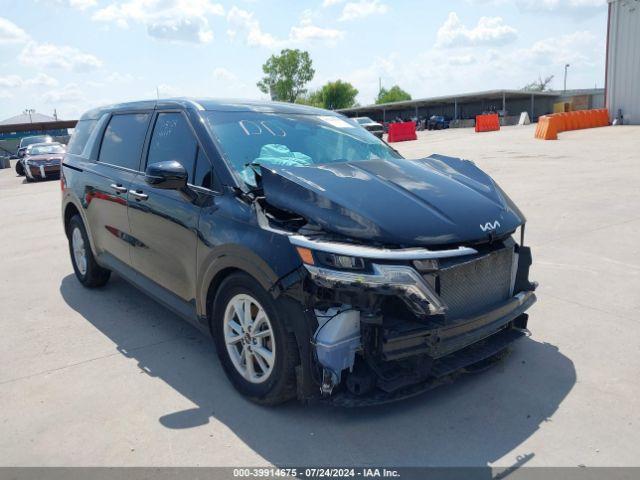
<point>173,140</point>
<point>80,136</point>
<point>123,140</point>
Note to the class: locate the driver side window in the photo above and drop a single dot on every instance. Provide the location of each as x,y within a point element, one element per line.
<point>173,140</point>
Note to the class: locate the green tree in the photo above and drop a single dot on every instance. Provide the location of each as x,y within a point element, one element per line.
<point>335,95</point>
<point>286,75</point>
<point>394,94</point>
<point>540,85</point>
<point>312,98</point>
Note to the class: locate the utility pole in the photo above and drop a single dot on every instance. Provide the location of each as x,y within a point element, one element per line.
<point>29,111</point>
<point>566,67</point>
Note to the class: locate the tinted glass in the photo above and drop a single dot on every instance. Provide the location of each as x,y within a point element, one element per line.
<point>251,139</point>
<point>123,140</point>
<point>172,140</point>
<point>202,177</point>
<point>37,139</point>
<point>81,135</point>
<point>44,149</point>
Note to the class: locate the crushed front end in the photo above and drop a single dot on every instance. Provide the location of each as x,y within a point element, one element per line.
<point>411,270</point>
<point>394,322</point>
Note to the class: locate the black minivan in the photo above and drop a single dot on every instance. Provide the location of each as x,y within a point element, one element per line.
<point>322,263</point>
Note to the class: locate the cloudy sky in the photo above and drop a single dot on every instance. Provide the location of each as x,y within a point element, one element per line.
<point>76,54</point>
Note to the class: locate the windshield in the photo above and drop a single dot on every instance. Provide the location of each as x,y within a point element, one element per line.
<point>364,120</point>
<point>31,140</point>
<point>250,139</point>
<point>45,149</point>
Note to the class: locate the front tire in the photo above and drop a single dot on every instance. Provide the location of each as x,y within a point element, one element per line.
<point>257,352</point>
<point>20,168</point>
<point>87,271</point>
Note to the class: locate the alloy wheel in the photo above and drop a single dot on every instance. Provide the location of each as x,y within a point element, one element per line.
<point>249,338</point>
<point>79,252</point>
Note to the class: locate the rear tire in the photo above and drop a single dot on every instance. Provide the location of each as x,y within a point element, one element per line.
<point>249,329</point>
<point>88,272</point>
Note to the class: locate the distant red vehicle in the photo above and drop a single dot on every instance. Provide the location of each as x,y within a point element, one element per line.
<point>42,160</point>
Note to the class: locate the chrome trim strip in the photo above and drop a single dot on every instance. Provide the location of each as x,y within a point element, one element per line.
<point>378,253</point>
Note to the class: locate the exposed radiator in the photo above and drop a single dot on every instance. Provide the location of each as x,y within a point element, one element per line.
<point>470,287</point>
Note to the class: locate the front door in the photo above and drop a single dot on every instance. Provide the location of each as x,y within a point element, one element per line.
<point>165,221</point>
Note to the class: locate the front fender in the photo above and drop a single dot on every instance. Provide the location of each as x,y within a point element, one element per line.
<point>231,257</point>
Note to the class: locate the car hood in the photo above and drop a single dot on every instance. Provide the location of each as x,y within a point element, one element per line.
<point>45,157</point>
<point>433,201</point>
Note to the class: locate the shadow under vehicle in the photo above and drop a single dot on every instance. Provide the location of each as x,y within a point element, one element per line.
<point>474,421</point>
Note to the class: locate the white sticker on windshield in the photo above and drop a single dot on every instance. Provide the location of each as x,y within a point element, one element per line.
<point>335,121</point>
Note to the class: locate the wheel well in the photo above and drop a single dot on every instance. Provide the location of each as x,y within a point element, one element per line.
<point>69,211</point>
<point>213,288</point>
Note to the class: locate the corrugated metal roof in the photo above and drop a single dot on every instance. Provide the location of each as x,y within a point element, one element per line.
<point>25,118</point>
<point>463,97</point>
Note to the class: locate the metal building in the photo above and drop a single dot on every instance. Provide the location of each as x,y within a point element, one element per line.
<point>463,108</point>
<point>623,61</point>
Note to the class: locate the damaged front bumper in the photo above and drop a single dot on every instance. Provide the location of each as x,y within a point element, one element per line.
<point>412,318</point>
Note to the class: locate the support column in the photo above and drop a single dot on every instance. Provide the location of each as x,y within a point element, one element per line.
<point>455,109</point>
<point>504,103</point>
<point>533,104</point>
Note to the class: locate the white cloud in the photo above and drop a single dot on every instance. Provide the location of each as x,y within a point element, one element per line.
<point>362,8</point>
<point>244,21</point>
<point>574,9</point>
<point>580,49</point>
<point>70,93</point>
<point>165,91</point>
<point>41,79</point>
<point>307,31</point>
<point>489,2</point>
<point>561,5</point>
<point>117,77</point>
<point>48,55</point>
<point>223,74</point>
<point>194,29</point>
<point>11,33</point>
<point>11,81</point>
<point>16,81</point>
<point>488,31</point>
<point>462,60</point>
<point>172,20</point>
<point>330,3</point>
<point>82,4</point>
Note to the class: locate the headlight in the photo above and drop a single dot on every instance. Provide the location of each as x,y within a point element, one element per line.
<point>387,278</point>
<point>330,260</point>
<point>340,261</point>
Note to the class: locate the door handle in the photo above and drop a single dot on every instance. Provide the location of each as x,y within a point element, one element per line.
<point>119,188</point>
<point>139,195</point>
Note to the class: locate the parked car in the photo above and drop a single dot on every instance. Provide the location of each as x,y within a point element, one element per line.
<point>42,160</point>
<point>374,127</point>
<point>323,263</point>
<point>437,122</point>
<point>26,141</point>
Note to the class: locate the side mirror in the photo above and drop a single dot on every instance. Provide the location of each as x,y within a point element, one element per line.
<point>169,175</point>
